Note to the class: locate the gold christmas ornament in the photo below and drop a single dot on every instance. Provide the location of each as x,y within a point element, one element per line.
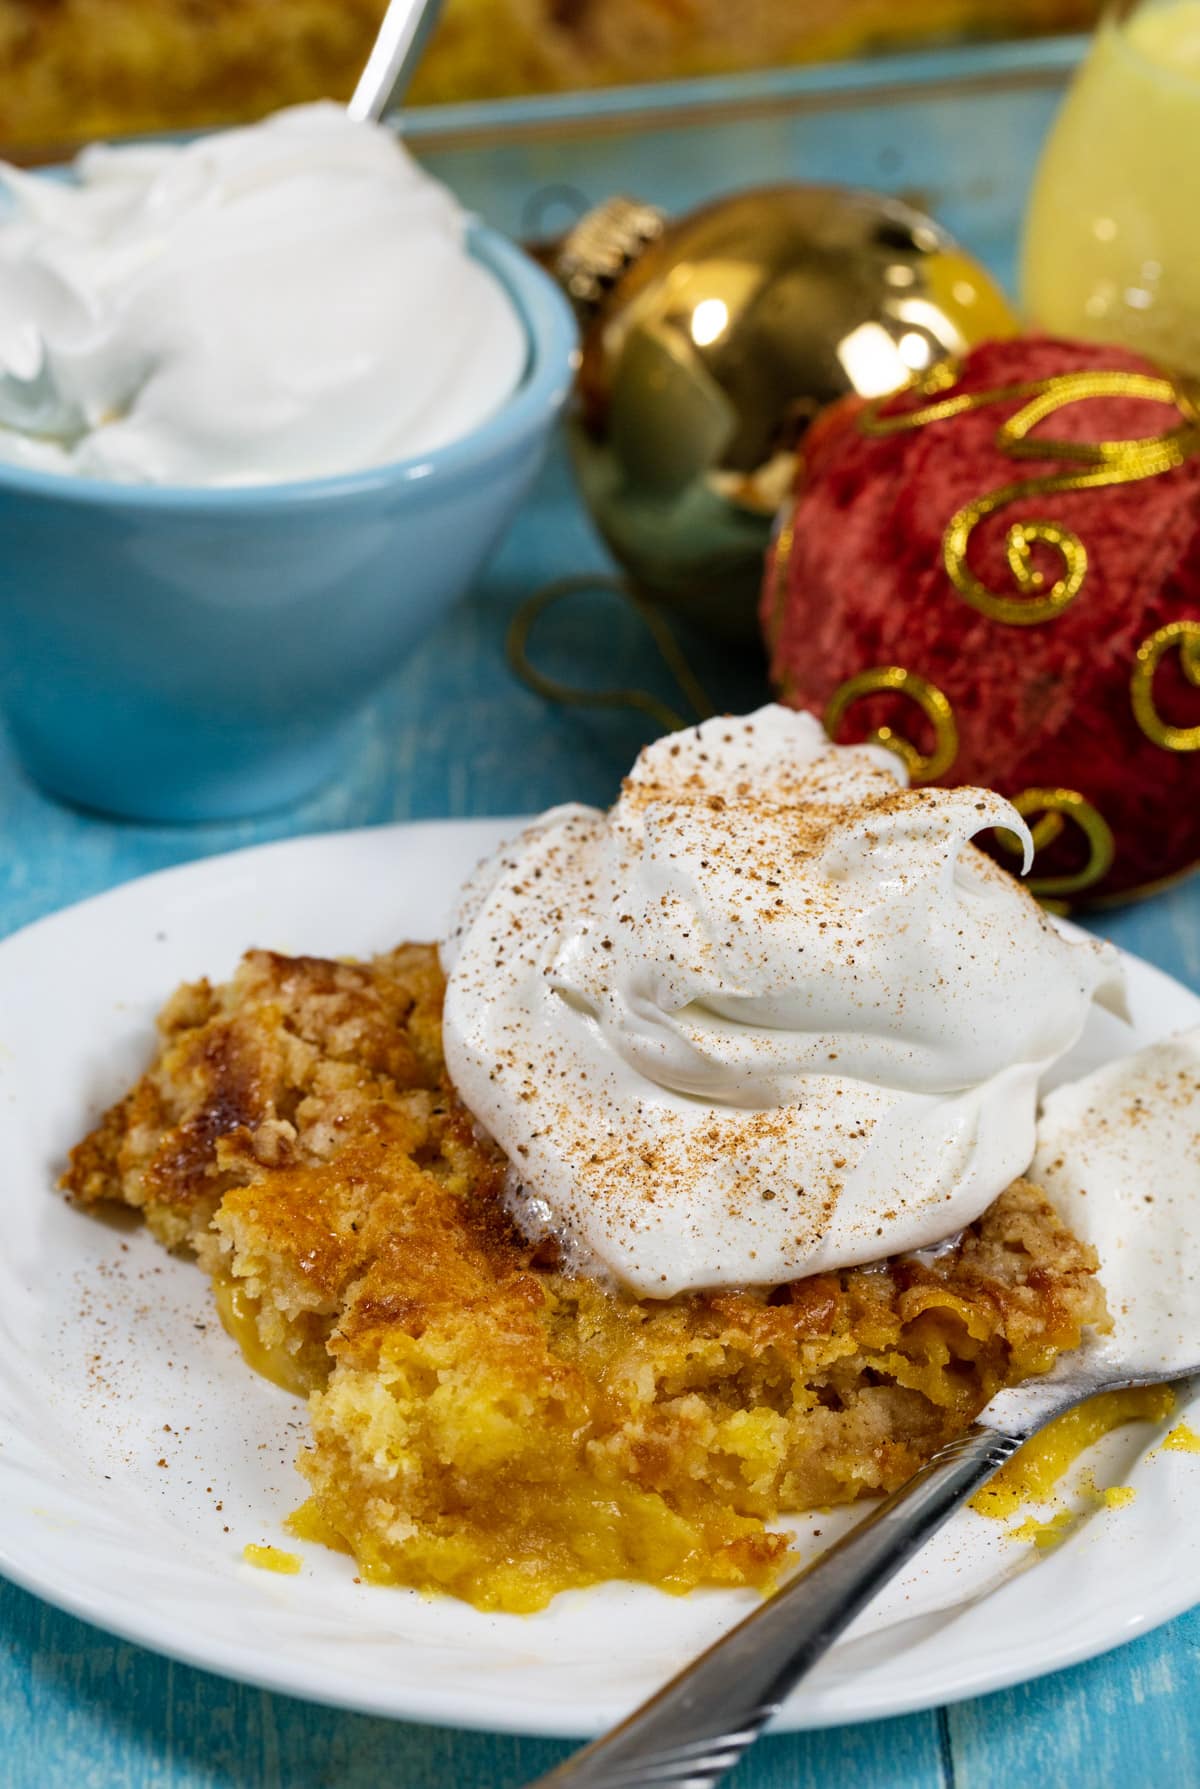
<point>711,342</point>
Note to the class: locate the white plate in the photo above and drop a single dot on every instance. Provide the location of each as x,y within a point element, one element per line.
<point>138,1455</point>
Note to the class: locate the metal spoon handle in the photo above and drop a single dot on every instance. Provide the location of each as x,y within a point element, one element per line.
<point>394,55</point>
<point>697,1726</point>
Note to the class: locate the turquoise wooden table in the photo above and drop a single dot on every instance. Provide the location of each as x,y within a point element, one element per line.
<point>454,735</point>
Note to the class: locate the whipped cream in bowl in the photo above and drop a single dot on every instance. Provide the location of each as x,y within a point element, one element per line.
<point>268,400</point>
<point>291,300</point>
<point>773,1014</point>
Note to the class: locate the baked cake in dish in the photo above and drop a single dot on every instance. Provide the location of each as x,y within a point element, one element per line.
<point>78,69</point>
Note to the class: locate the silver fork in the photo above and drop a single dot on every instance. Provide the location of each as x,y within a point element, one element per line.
<point>694,1730</point>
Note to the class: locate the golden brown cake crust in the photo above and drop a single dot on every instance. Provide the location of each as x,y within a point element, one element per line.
<point>73,70</point>
<point>482,1421</point>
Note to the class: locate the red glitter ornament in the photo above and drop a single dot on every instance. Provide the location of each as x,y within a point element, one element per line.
<point>998,575</point>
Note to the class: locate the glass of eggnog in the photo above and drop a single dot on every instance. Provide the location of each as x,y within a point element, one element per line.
<point>1112,238</point>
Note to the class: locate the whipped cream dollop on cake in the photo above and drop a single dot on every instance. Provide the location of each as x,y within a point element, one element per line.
<point>773,1013</point>
<point>283,301</point>
<point>1118,1154</point>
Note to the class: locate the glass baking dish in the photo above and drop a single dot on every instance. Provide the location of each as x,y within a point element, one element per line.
<point>956,131</point>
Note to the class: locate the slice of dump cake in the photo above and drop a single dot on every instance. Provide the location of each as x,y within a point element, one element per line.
<point>484,1422</point>
<point>705,1205</point>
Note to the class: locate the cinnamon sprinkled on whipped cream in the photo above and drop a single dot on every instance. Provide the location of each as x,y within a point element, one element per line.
<point>772,1014</point>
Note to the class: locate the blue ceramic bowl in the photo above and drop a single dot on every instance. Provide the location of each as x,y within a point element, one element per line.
<point>170,653</point>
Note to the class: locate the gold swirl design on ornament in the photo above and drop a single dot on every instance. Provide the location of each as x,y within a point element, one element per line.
<point>1055,807</point>
<point>1185,635</point>
<point>1094,464</point>
<point>933,704</point>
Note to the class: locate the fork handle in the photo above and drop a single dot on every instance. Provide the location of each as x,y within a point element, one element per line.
<point>698,1725</point>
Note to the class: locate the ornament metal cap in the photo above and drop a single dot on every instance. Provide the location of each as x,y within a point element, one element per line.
<point>603,246</point>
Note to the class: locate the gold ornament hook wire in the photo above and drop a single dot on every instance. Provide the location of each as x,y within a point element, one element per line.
<point>569,695</point>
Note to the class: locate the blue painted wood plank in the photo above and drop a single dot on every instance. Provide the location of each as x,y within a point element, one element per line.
<point>79,1708</point>
<point>1123,1721</point>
